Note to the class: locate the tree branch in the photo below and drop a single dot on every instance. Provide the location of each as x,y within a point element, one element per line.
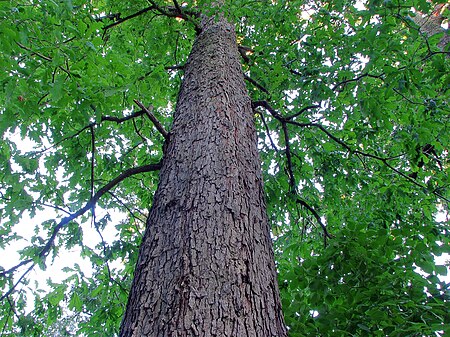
<point>9,292</point>
<point>243,50</point>
<point>289,158</point>
<point>268,107</point>
<point>177,67</point>
<point>384,160</point>
<point>303,110</point>
<point>177,12</point>
<point>256,84</point>
<point>64,139</point>
<point>110,16</point>
<point>268,132</point>
<point>92,201</point>
<point>102,119</point>
<point>177,6</point>
<point>316,215</point>
<point>142,11</point>
<point>92,167</point>
<point>155,121</point>
<point>46,58</point>
<point>123,119</point>
<point>356,79</point>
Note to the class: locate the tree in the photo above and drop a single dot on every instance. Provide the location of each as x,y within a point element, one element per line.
<point>205,266</point>
<point>350,103</point>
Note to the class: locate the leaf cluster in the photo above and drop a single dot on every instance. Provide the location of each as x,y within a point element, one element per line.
<point>351,106</point>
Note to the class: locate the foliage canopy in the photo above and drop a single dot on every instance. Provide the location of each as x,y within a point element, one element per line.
<point>351,103</point>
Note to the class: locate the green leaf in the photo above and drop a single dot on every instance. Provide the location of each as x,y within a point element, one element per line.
<point>75,302</point>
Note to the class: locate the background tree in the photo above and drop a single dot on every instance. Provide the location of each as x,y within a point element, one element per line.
<point>351,106</point>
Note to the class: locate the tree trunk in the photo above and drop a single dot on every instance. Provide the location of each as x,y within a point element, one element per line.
<point>206,265</point>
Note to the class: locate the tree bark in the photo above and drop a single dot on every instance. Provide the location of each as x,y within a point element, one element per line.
<point>206,265</point>
<point>431,25</point>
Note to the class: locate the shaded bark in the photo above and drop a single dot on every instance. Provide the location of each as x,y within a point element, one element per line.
<point>206,265</point>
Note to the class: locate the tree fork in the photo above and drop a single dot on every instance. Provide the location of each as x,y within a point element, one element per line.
<point>206,265</point>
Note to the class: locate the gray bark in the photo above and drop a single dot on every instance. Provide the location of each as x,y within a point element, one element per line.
<point>206,265</point>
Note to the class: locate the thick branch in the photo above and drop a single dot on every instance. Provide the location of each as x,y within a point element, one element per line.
<point>177,67</point>
<point>127,173</point>
<point>177,12</point>
<point>268,107</point>
<point>243,50</point>
<point>177,6</point>
<point>111,16</point>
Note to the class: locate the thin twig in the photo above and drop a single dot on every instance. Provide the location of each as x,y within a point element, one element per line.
<point>268,132</point>
<point>356,79</point>
<point>9,292</point>
<point>102,119</point>
<point>142,11</point>
<point>64,139</point>
<point>317,216</point>
<point>131,211</point>
<point>37,203</point>
<point>155,121</point>
<point>289,158</point>
<point>105,253</point>
<point>123,119</point>
<point>92,167</point>
<point>303,110</point>
<point>384,160</point>
<point>407,99</point>
<point>46,58</point>
<point>256,84</point>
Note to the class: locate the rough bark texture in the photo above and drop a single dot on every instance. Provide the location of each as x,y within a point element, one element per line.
<point>206,264</point>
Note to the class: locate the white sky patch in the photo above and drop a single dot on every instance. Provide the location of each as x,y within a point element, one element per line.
<point>66,258</point>
<point>360,5</point>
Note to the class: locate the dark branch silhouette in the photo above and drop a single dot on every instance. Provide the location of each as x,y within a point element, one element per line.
<point>152,117</point>
<point>142,11</point>
<point>63,222</point>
